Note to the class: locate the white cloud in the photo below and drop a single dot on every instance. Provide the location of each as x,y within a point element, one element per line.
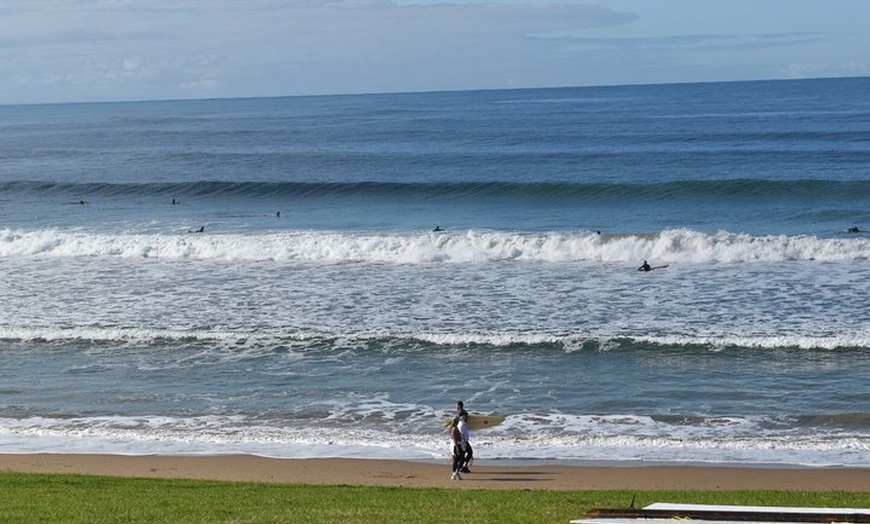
<point>157,48</point>
<point>816,70</point>
<point>686,42</point>
<point>58,50</point>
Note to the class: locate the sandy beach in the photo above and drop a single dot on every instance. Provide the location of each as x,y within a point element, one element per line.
<point>432,474</point>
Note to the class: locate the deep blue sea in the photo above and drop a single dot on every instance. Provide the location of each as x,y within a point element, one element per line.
<point>263,275</point>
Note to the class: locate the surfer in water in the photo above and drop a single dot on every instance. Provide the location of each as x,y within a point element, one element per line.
<point>645,266</point>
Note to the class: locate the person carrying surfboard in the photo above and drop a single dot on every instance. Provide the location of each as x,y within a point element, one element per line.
<point>460,411</point>
<point>461,421</point>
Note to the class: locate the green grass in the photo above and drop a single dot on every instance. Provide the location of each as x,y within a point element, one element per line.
<point>74,499</point>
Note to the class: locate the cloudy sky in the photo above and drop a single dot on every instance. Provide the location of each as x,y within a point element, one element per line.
<point>93,50</point>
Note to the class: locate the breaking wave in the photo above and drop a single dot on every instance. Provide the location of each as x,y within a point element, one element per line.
<point>228,341</point>
<point>472,246</point>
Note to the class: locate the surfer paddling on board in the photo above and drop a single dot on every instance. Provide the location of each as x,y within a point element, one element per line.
<point>646,267</point>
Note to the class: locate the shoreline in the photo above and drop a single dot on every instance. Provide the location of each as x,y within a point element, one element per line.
<point>405,473</point>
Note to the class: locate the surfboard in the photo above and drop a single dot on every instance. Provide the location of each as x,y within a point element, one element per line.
<point>653,268</point>
<point>478,422</point>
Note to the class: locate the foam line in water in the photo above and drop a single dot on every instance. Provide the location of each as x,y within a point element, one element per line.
<point>473,246</point>
<point>220,340</point>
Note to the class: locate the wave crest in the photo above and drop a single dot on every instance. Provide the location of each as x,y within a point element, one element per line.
<point>671,246</point>
<point>235,341</point>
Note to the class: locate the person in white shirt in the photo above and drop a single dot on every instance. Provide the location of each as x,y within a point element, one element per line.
<point>458,452</point>
<point>467,452</point>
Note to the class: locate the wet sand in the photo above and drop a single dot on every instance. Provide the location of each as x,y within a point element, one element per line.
<point>485,475</point>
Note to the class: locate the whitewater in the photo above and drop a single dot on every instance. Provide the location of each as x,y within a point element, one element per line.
<point>326,276</point>
<point>683,246</point>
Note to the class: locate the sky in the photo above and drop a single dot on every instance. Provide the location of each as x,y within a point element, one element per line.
<point>107,50</point>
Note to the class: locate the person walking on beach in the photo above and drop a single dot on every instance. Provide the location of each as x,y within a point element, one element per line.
<point>461,422</point>
<point>458,452</point>
<point>467,452</point>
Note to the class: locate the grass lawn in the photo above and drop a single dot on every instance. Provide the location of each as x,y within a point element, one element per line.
<point>43,498</point>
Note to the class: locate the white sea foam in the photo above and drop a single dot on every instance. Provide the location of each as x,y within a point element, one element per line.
<point>610,438</point>
<point>761,342</point>
<point>266,339</point>
<point>345,327</point>
<point>675,246</point>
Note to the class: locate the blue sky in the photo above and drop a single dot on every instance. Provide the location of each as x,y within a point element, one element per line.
<point>94,50</point>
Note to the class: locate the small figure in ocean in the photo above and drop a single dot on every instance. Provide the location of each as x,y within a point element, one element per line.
<point>437,229</point>
<point>853,229</point>
<point>174,201</point>
<point>200,230</point>
<point>645,266</point>
<point>82,202</point>
<point>278,214</point>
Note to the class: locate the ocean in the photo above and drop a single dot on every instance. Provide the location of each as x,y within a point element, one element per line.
<point>326,276</point>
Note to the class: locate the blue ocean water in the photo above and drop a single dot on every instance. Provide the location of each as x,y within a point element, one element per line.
<point>263,275</point>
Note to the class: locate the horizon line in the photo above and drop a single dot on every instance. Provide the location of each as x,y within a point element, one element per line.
<point>423,91</point>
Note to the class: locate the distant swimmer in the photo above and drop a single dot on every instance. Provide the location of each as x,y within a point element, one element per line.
<point>175,201</point>
<point>200,230</point>
<point>278,214</point>
<point>853,229</point>
<point>438,229</point>
<point>82,202</point>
